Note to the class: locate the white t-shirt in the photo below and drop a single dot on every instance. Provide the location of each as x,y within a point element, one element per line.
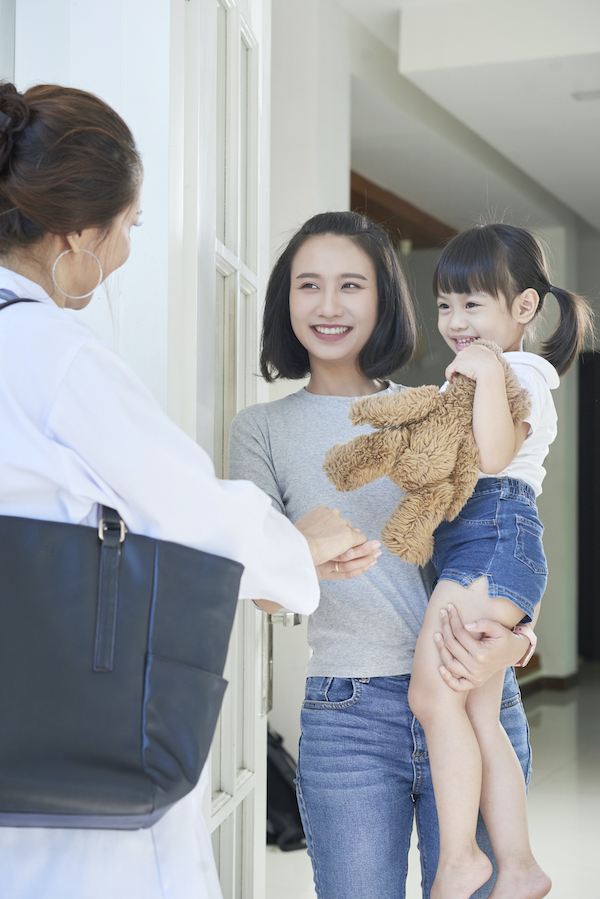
<point>78,428</point>
<point>538,377</point>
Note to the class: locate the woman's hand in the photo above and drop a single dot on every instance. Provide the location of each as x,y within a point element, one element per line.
<point>329,535</point>
<point>467,660</point>
<point>350,564</point>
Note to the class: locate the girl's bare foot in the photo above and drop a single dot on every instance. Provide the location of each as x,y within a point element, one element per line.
<point>458,878</point>
<point>525,882</point>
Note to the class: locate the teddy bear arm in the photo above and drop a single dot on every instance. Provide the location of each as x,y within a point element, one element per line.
<point>394,409</point>
<point>360,461</point>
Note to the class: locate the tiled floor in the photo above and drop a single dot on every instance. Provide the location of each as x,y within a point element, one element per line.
<point>564,800</point>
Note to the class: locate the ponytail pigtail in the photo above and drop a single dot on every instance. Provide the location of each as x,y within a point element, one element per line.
<point>574,326</point>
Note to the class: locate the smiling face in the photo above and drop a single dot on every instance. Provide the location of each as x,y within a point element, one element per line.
<point>333,299</point>
<point>463,317</point>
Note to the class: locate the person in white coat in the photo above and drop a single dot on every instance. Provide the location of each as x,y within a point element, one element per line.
<point>79,429</point>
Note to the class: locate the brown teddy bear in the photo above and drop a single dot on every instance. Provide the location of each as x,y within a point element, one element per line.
<point>424,443</point>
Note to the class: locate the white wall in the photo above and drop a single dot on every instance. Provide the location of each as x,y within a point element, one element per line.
<point>310,125</point>
<point>449,34</point>
<point>78,44</point>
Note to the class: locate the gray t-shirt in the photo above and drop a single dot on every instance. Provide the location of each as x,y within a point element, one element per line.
<point>365,626</point>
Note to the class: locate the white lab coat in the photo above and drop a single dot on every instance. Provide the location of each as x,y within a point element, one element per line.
<point>78,429</point>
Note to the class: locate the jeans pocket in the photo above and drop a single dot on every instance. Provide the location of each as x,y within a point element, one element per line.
<point>480,509</point>
<point>331,692</point>
<point>528,547</point>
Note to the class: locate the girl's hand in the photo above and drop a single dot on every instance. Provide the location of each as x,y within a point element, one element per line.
<point>329,535</point>
<point>474,361</point>
<point>352,563</point>
<point>468,661</point>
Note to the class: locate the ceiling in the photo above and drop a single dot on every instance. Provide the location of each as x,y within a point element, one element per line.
<point>507,73</point>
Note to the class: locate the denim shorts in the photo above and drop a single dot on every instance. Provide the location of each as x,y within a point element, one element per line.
<point>498,534</point>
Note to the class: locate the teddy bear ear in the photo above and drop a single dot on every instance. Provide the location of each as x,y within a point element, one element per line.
<point>490,345</point>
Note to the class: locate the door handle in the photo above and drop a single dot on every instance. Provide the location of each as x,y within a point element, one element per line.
<point>287,619</point>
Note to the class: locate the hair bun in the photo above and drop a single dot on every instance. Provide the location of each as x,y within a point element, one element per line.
<point>14,116</point>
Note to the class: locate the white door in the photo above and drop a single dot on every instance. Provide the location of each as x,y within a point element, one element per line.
<point>222,169</point>
<point>238,759</point>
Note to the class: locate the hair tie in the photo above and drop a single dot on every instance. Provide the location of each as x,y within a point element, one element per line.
<point>551,288</point>
<point>5,122</point>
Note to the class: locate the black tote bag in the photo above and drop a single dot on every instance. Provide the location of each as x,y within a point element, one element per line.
<point>112,649</point>
<point>111,656</point>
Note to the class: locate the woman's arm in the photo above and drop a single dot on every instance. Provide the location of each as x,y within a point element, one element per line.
<point>123,450</point>
<point>497,437</point>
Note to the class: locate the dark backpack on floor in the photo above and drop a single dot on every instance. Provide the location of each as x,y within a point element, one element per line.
<point>284,826</point>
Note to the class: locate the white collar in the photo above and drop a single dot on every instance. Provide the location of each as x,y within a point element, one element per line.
<point>542,365</point>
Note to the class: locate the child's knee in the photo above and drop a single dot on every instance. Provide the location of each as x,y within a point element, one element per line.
<point>422,700</point>
<point>431,700</point>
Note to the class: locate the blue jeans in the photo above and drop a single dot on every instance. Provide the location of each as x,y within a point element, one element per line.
<point>363,773</point>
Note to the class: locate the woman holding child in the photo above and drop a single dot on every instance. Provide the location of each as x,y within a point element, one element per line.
<point>338,309</point>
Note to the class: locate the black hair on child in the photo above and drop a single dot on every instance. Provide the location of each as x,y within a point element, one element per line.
<point>504,260</point>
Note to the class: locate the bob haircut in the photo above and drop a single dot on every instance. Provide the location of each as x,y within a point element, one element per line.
<point>393,341</point>
<point>503,261</point>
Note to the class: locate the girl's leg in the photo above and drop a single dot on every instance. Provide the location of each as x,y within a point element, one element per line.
<point>514,722</point>
<point>454,753</point>
<point>504,800</point>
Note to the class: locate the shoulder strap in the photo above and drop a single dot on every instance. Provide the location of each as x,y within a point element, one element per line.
<point>10,299</point>
<point>19,300</point>
<point>112,531</point>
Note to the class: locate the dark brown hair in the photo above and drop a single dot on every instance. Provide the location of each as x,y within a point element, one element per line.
<point>67,162</point>
<point>505,260</point>
<point>393,341</point>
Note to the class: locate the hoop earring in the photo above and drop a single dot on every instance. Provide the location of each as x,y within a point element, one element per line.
<point>69,295</point>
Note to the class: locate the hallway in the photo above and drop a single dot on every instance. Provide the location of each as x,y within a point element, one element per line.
<point>564,799</point>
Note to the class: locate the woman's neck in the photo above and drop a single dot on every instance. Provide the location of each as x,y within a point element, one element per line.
<point>335,380</point>
<point>35,267</point>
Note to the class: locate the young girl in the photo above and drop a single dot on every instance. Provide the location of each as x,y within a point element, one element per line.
<point>490,283</point>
